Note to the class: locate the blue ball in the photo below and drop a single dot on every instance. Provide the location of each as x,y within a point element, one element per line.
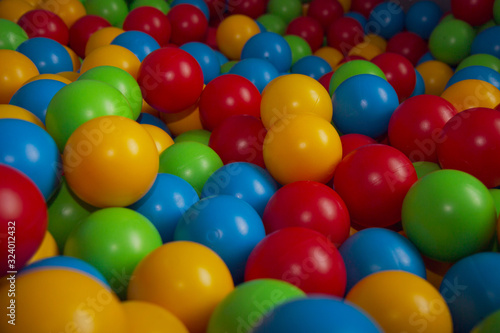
<point>206,57</point>
<point>200,4</point>
<point>261,26</point>
<point>271,47</point>
<point>364,104</point>
<point>31,150</point>
<point>374,250</point>
<point>227,225</point>
<point>245,181</point>
<point>66,262</point>
<point>165,202</point>
<point>149,119</point>
<point>139,43</point>
<point>358,17</point>
<point>317,315</point>
<point>386,20</point>
<point>49,56</point>
<point>222,58</point>
<point>419,85</point>
<point>423,17</point>
<point>471,289</point>
<point>488,42</point>
<point>259,71</point>
<point>426,57</point>
<point>36,96</point>
<point>476,73</point>
<point>312,66</point>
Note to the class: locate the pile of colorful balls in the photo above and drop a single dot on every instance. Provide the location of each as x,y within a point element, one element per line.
<point>249,166</point>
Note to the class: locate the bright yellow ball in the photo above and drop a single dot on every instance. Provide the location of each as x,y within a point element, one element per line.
<point>160,137</point>
<point>112,55</point>
<point>143,317</point>
<point>233,33</point>
<point>468,94</point>
<point>15,70</point>
<point>16,112</point>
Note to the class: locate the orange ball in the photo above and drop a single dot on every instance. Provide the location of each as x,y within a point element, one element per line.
<point>71,76</point>
<point>346,5</point>
<point>15,70</point>
<point>74,58</point>
<point>436,75</point>
<point>102,37</point>
<point>366,50</point>
<point>183,121</point>
<point>143,317</point>
<point>160,137</point>
<point>16,112</point>
<point>47,249</point>
<point>112,55</point>
<point>68,10</point>
<point>12,10</point>
<point>376,40</point>
<point>110,161</point>
<point>232,34</point>
<point>468,94</point>
<point>332,56</point>
<point>56,77</point>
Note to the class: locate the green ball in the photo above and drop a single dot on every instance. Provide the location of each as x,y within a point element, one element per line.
<point>353,68</point>
<point>66,210</point>
<point>224,69</point>
<point>300,48</point>
<point>158,4</point>
<point>114,11</point>
<point>249,303</point>
<point>489,324</point>
<point>121,80</point>
<point>192,161</point>
<point>486,60</point>
<point>496,11</point>
<point>114,240</point>
<point>200,136</point>
<point>79,102</point>
<point>447,18</point>
<point>495,194</point>
<point>273,23</point>
<point>423,168</point>
<point>11,35</point>
<point>449,215</point>
<point>451,41</point>
<point>286,9</point>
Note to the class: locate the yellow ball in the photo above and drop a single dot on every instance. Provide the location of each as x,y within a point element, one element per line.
<point>436,75</point>
<point>468,94</point>
<point>12,10</point>
<point>402,302</point>
<point>143,317</point>
<point>302,147</point>
<point>15,70</point>
<point>74,58</point>
<point>58,300</point>
<point>71,76</point>
<point>233,33</point>
<point>16,112</point>
<point>102,37</point>
<point>110,161</point>
<point>146,108</point>
<point>112,55</point>
<point>376,40</point>
<point>56,77</point>
<point>331,55</point>
<point>366,50</point>
<point>183,121</point>
<point>186,278</point>
<point>346,5</point>
<point>160,137</point>
<point>47,249</point>
<point>294,94</point>
<point>68,10</point>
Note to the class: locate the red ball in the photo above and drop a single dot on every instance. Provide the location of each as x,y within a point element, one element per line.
<point>188,23</point>
<point>373,181</point>
<point>82,29</point>
<point>42,23</point>
<point>325,12</point>
<point>409,45</point>
<point>239,139</point>
<point>151,21</point>
<point>364,7</point>
<point>474,12</point>
<point>350,58</point>
<point>399,72</point>
<point>23,219</point>
<point>344,34</point>
<point>471,143</point>
<point>309,29</point>
<point>302,257</point>
<point>310,205</point>
<point>251,8</point>
<point>171,80</point>
<point>216,8</point>
<point>325,80</point>
<point>353,141</point>
<point>228,95</point>
<point>210,38</point>
<point>416,126</point>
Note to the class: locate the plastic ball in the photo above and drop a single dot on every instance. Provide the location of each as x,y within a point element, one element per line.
<point>259,71</point>
<point>419,85</point>
<point>11,35</point>
<point>309,29</point>
<point>376,40</point>
<point>15,112</point>
<point>353,141</point>
<point>399,72</point>
<point>192,161</point>
<point>451,41</point>
<point>147,317</point>
<point>48,55</point>
<point>422,17</point>
<point>353,68</point>
<point>485,60</point>
<point>358,17</point>
<point>42,23</point>
<point>287,10</point>
<point>312,66</point>
<point>75,60</point>
<point>487,42</point>
<point>312,263</point>
<point>200,4</point>
<point>12,10</point>
<point>59,304</point>
<point>138,42</point>
<point>488,324</point>
<point>325,80</point>
<point>27,224</point>
<point>184,121</point>
<point>188,24</point>
<point>310,205</point>
<point>386,19</point>
<point>472,12</point>
<point>112,55</point>
<point>299,47</point>
<point>47,249</point>
<point>165,203</point>
<point>456,209</point>
<point>170,277</point>
<point>331,55</point>
<point>364,104</point>
<point>114,11</point>
<point>158,4</point>
<point>344,33</point>
<point>82,29</point>
<point>102,37</point>
<point>364,7</point>
<point>435,74</point>
<point>476,73</point>
<point>325,12</point>
<point>402,302</point>
<point>206,58</point>
<point>233,34</point>
<point>250,303</point>
<point>317,314</point>
<point>69,11</point>
<point>424,168</point>
<point>226,96</point>
<point>302,147</point>
<point>224,69</point>
<point>272,23</point>
<point>161,138</point>
<point>468,94</point>
<point>365,50</point>
<point>199,135</point>
<point>416,126</point>
<point>409,45</point>
<point>271,47</point>
<point>151,21</point>
<point>117,254</point>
